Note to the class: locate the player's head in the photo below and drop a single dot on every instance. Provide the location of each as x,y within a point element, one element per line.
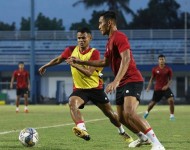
<point>21,65</point>
<point>107,21</point>
<point>84,37</point>
<point>161,59</point>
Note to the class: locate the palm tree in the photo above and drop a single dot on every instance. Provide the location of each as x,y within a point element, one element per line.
<point>119,6</point>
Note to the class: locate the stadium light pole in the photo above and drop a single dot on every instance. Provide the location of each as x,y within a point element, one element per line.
<point>185,35</point>
<point>32,56</point>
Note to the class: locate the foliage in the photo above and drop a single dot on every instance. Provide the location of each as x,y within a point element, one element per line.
<point>43,23</point>
<point>7,27</point>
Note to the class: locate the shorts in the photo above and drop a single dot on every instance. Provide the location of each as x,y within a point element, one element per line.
<point>22,92</point>
<point>96,96</point>
<point>157,96</point>
<point>129,89</point>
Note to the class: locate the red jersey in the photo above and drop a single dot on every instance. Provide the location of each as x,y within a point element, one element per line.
<point>162,76</point>
<point>117,44</point>
<point>21,77</point>
<point>95,56</point>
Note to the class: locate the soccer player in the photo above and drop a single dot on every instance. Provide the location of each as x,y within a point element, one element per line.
<point>88,85</point>
<point>163,76</point>
<point>22,87</point>
<point>128,80</point>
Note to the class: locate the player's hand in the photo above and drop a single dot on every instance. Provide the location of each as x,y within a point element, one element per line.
<point>29,87</point>
<point>112,87</point>
<point>42,70</point>
<point>164,88</point>
<point>73,60</point>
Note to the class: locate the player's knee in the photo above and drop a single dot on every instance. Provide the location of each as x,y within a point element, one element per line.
<point>129,115</point>
<point>171,101</point>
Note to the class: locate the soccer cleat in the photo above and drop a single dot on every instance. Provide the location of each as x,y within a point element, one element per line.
<point>146,115</point>
<point>138,143</point>
<point>157,147</point>
<point>81,133</point>
<point>172,118</point>
<point>26,111</point>
<point>126,137</point>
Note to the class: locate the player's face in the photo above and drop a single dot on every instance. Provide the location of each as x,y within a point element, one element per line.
<point>21,66</point>
<point>161,60</point>
<point>83,39</point>
<point>103,26</point>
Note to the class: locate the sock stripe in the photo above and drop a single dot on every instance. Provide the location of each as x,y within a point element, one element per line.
<point>147,130</point>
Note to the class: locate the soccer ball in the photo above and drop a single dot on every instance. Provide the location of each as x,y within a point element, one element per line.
<point>28,137</point>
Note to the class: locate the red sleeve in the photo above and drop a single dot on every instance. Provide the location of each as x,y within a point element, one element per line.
<point>95,55</point>
<point>106,54</point>
<point>67,52</point>
<point>170,73</point>
<point>122,43</point>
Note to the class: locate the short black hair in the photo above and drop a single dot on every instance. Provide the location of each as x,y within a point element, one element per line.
<point>20,62</point>
<point>84,30</point>
<point>109,15</point>
<point>161,56</point>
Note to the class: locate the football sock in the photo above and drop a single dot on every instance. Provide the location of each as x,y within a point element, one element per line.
<point>171,115</point>
<point>17,109</point>
<point>151,135</point>
<point>81,125</point>
<point>120,129</point>
<point>25,108</point>
<point>142,136</point>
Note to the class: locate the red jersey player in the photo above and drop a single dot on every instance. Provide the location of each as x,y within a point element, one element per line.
<point>128,80</point>
<point>23,85</point>
<point>163,76</point>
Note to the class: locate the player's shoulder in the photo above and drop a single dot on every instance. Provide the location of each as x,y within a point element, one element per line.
<point>120,34</point>
<point>168,67</point>
<point>95,51</point>
<point>70,48</point>
<point>155,67</point>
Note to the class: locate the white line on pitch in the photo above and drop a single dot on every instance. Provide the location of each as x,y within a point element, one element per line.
<point>60,125</point>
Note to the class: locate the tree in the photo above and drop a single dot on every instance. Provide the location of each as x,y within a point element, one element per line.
<point>76,26</point>
<point>160,14</point>
<point>119,6</point>
<point>45,23</point>
<point>7,27</point>
<point>25,24</point>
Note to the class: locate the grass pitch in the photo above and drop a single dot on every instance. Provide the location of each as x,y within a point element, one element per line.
<point>54,125</point>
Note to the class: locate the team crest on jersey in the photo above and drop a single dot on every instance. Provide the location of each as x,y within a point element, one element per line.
<point>158,71</point>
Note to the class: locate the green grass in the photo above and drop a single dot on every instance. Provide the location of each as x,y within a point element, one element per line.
<point>174,135</point>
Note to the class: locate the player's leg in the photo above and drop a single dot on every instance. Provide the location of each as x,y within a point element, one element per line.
<point>25,93</point>
<point>150,106</point>
<point>17,100</point>
<point>134,120</point>
<point>113,117</point>
<point>76,102</point>
<point>157,95</point>
<point>170,97</point>
<point>100,99</point>
<point>143,139</point>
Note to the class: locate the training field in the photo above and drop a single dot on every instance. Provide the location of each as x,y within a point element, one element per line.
<point>54,125</point>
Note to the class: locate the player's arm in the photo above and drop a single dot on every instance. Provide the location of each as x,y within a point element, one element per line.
<point>95,63</point>
<point>149,83</point>
<point>28,82</point>
<point>12,80</point>
<point>125,60</point>
<point>53,62</point>
<point>86,71</point>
